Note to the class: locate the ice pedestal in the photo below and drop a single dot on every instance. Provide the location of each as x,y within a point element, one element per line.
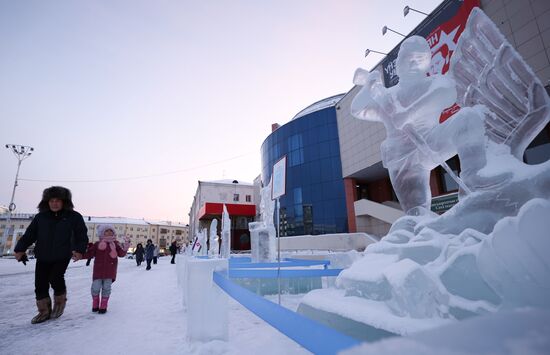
<point>474,274</point>
<point>181,271</point>
<point>262,242</point>
<point>206,303</point>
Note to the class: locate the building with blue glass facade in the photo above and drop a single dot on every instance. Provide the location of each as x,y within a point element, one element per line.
<point>314,202</point>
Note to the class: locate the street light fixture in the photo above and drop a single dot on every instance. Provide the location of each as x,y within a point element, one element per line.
<point>368,51</point>
<point>21,152</point>
<point>386,29</point>
<point>406,10</point>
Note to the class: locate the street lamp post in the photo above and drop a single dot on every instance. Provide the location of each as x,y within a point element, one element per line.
<point>386,29</point>
<point>21,153</point>
<point>369,51</point>
<point>406,10</point>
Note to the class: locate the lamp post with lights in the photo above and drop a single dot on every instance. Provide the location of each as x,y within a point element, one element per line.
<point>21,152</point>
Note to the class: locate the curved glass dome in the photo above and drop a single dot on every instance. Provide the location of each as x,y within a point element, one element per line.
<point>319,105</point>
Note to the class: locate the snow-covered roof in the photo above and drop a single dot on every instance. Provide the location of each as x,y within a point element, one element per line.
<point>114,220</point>
<point>17,215</point>
<point>104,220</point>
<point>319,105</point>
<point>166,223</point>
<point>229,181</point>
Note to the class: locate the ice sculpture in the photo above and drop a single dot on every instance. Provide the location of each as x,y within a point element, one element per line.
<point>262,234</point>
<point>226,234</point>
<point>195,246</point>
<point>214,249</point>
<point>201,247</point>
<point>415,141</point>
<point>489,252</point>
<point>267,204</point>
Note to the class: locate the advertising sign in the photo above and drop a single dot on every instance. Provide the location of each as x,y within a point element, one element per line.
<point>444,203</point>
<point>279,179</point>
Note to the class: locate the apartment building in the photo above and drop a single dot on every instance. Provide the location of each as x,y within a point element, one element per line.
<point>162,233</point>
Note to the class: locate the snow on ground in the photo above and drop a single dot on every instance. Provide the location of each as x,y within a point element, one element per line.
<point>145,316</point>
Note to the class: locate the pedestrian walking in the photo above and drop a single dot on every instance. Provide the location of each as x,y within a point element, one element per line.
<point>149,251</point>
<point>105,253</point>
<point>139,254</point>
<point>156,253</point>
<point>59,234</point>
<point>173,252</point>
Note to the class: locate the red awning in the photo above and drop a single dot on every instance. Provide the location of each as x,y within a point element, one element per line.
<point>211,209</point>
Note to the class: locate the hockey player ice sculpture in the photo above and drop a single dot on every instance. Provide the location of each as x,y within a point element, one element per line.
<point>225,250</point>
<point>213,242</point>
<point>504,106</point>
<point>202,238</point>
<point>262,234</point>
<point>489,252</point>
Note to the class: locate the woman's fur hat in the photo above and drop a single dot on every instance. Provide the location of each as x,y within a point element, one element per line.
<point>60,192</point>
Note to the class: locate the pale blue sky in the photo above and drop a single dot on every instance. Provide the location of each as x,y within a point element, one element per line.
<point>118,89</point>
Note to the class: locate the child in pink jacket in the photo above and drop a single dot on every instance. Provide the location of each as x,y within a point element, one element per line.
<point>106,253</point>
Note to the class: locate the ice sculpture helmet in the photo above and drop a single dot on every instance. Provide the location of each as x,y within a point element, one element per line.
<point>413,60</point>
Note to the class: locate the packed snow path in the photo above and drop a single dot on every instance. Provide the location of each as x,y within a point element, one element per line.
<point>145,316</point>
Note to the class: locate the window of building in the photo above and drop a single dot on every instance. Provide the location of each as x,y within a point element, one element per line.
<point>283,225</point>
<point>164,230</point>
<point>22,226</point>
<point>248,198</point>
<point>362,191</point>
<point>297,193</point>
<point>235,197</point>
<point>448,183</point>
<point>178,232</point>
<point>539,150</point>
<point>295,150</point>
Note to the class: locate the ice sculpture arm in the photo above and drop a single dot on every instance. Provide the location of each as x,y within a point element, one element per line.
<point>365,104</point>
<point>490,72</point>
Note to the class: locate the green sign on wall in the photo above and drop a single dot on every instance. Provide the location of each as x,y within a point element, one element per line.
<point>441,204</point>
